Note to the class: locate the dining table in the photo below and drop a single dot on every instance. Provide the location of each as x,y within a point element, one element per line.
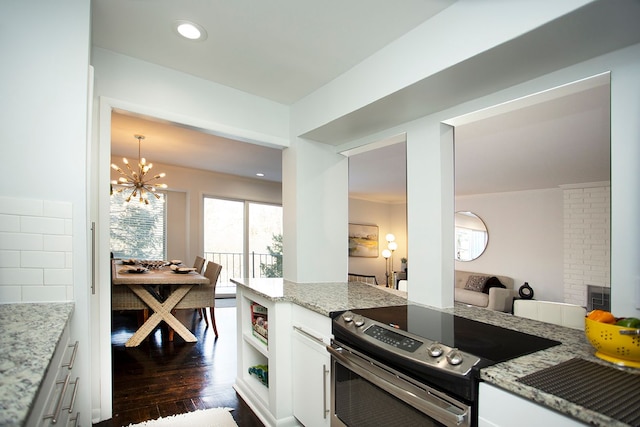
<point>160,289</point>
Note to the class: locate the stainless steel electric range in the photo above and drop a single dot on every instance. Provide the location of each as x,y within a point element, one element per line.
<point>411,365</point>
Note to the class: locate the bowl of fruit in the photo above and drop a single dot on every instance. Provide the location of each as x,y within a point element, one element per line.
<point>616,339</point>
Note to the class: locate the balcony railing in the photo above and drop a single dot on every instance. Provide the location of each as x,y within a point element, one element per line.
<point>232,266</point>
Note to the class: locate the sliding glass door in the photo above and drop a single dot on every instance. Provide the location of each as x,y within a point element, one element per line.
<point>244,237</point>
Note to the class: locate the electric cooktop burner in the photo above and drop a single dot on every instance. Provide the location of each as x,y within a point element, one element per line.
<point>491,343</point>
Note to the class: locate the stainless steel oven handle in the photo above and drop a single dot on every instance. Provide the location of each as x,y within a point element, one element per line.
<point>428,403</point>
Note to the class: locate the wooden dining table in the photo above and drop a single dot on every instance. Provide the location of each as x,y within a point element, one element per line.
<point>172,286</point>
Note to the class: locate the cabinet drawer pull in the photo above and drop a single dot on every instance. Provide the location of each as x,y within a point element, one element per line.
<point>76,419</point>
<point>73,395</point>
<point>56,413</point>
<point>308,335</point>
<point>325,410</point>
<point>73,356</point>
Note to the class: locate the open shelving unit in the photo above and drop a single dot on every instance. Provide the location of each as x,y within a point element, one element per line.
<point>270,403</point>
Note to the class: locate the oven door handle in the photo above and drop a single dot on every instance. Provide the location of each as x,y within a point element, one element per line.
<point>421,399</point>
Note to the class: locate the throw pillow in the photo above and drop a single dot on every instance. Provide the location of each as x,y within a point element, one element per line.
<point>492,282</point>
<point>476,283</point>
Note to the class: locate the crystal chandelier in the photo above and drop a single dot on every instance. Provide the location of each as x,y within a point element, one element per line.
<point>138,181</point>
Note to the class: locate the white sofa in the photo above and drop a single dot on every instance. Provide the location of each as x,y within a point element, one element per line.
<point>498,299</point>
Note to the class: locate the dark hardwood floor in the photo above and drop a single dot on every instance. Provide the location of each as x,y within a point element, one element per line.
<point>161,378</point>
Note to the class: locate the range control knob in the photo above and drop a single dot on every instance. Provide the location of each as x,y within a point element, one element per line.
<point>454,357</point>
<point>435,350</point>
<point>348,317</point>
<point>359,321</point>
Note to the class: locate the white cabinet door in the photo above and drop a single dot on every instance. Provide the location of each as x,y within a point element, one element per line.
<point>499,408</point>
<point>311,368</point>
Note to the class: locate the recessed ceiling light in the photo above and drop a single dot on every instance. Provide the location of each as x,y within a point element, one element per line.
<point>190,30</point>
<point>259,174</point>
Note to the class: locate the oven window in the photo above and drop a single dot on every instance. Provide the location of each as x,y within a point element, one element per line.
<point>360,403</point>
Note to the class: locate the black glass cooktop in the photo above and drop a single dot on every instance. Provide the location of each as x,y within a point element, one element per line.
<point>492,343</point>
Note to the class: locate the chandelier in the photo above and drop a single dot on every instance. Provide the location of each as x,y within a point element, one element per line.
<point>138,181</point>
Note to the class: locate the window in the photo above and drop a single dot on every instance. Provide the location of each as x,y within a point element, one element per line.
<point>138,230</point>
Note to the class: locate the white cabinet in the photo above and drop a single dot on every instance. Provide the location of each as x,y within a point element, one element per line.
<point>54,403</point>
<point>499,408</point>
<point>311,367</point>
<point>272,403</point>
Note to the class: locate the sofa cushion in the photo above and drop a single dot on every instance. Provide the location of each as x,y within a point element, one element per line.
<point>476,283</point>
<point>492,282</point>
<point>476,298</point>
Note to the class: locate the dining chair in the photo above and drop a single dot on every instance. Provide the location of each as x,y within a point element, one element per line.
<point>203,296</point>
<point>563,314</point>
<point>212,272</point>
<point>198,264</point>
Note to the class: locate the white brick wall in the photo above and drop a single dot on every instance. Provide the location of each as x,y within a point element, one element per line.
<point>35,250</point>
<point>587,238</point>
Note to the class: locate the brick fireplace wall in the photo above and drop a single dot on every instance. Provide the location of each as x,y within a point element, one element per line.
<point>587,238</point>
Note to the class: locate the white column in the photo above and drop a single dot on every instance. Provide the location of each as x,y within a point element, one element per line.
<point>315,204</point>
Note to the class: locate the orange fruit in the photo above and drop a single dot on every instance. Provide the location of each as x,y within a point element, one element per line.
<point>601,316</point>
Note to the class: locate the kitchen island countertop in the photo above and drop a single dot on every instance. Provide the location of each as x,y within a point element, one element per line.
<point>327,297</point>
<point>28,338</point>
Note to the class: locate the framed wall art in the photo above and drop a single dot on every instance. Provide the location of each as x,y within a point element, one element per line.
<point>363,240</point>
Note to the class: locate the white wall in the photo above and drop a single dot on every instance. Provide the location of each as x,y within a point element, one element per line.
<point>525,238</point>
<point>44,82</point>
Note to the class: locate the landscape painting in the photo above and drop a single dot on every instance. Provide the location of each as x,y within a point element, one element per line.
<point>363,240</point>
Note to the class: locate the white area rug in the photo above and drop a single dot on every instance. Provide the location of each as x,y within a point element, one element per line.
<point>215,417</point>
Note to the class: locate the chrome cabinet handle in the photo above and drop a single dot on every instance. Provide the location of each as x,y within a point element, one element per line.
<point>93,258</point>
<point>325,372</point>
<point>309,335</point>
<point>56,413</point>
<point>73,395</point>
<point>73,356</point>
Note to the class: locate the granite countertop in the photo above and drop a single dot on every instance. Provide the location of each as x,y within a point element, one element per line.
<point>327,297</point>
<point>324,298</point>
<point>28,339</point>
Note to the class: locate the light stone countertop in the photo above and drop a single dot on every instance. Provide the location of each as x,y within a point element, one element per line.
<point>28,339</point>
<point>327,297</point>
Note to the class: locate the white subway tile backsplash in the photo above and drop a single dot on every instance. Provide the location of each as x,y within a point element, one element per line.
<point>58,276</point>
<point>57,209</point>
<point>10,294</point>
<point>10,223</point>
<point>21,241</point>
<point>21,276</point>
<point>44,293</point>
<point>41,259</point>
<point>57,243</point>
<point>9,259</point>
<point>36,250</point>
<point>42,225</point>
<point>15,206</point>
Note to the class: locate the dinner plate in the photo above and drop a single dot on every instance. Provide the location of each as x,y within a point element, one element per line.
<point>183,270</point>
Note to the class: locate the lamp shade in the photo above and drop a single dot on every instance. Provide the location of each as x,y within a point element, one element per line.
<point>386,253</point>
<point>390,237</point>
<point>392,246</point>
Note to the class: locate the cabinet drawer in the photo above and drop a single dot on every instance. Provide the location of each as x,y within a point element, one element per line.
<point>54,404</point>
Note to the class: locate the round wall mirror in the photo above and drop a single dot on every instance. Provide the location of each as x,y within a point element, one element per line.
<point>471,236</point>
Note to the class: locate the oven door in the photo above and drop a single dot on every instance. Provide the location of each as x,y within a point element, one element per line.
<point>367,393</point>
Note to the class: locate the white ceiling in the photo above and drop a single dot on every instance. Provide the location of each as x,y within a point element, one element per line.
<point>280,50</point>
<point>285,51</point>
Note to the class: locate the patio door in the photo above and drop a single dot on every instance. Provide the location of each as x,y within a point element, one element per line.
<point>244,237</point>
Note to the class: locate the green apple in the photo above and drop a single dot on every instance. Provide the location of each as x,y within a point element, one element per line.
<point>629,322</point>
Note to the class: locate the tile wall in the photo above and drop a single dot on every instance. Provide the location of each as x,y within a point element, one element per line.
<point>35,250</point>
<point>587,240</point>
